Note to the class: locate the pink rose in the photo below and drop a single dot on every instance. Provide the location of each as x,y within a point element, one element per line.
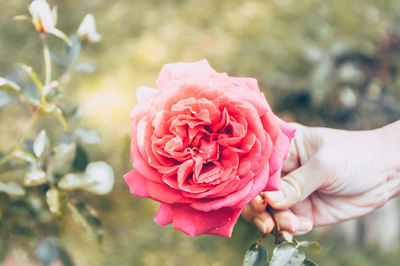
<point>204,145</point>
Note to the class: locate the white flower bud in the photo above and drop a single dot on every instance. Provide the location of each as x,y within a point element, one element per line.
<point>42,16</point>
<point>87,29</point>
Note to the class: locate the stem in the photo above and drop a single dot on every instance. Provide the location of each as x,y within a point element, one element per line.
<point>276,232</point>
<point>271,212</point>
<point>6,158</point>
<point>47,60</point>
<point>21,139</point>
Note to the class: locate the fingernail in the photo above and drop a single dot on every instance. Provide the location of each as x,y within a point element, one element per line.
<point>305,225</point>
<point>293,226</point>
<point>260,224</point>
<point>258,204</point>
<point>275,196</point>
<point>300,233</point>
<point>258,199</point>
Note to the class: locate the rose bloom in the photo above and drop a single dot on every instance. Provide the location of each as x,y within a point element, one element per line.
<point>204,145</point>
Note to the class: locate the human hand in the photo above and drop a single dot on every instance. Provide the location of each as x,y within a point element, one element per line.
<point>331,176</point>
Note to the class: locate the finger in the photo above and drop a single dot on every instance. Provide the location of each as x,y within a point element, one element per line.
<point>292,160</point>
<point>287,221</point>
<point>248,213</point>
<point>264,222</point>
<point>297,185</point>
<point>305,226</point>
<point>258,204</point>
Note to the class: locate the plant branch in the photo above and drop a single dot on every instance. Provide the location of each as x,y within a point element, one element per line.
<point>21,139</point>
<point>276,232</point>
<point>47,60</point>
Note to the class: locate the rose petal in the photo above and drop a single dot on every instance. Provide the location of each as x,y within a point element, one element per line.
<point>139,163</point>
<point>279,153</point>
<point>159,125</point>
<point>163,193</point>
<point>226,230</point>
<point>288,130</point>
<point>271,125</point>
<point>219,190</point>
<point>259,184</point>
<point>145,93</point>
<point>193,222</point>
<point>164,215</point>
<point>183,70</point>
<point>136,183</point>
<point>184,171</point>
<point>227,201</point>
<point>274,181</point>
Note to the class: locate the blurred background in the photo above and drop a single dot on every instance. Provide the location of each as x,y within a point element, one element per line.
<point>320,63</point>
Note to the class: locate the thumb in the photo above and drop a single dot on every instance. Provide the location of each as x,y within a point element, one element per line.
<point>297,185</point>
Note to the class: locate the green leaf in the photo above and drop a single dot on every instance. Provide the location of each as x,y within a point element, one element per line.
<point>34,77</point>
<point>12,189</point>
<point>4,205</point>
<point>308,263</point>
<point>58,113</point>
<point>74,50</point>
<point>25,156</point>
<point>84,67</point>
<point>5,98</point>
<point>287,236</point>
<point>4,247</point>
<point>81,159</point>
<point>47,251</point>
<point>10,86</point>
<point>87,136</point>
<point>58,59</point>
<point>60,162</point>
<point>41,144</point>
<point>61,35</point>
<point>21,18</point>
<point>52,90</point>
<point>255,256</point>
<point>287,254</point>
<point>35,177</point>
<point>51,108</point>
<point>53,199</point>
<point>98,179</point>
<point>102,176</point>
<point>31,94</point>
<point>87,218</point>
<point>74,112</point>
<point>75,181</point>
<point>314,247</point>
<point>64,257</point>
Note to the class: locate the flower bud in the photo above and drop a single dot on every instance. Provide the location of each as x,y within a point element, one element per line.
<point>87,30</point>
<point>42,16</point>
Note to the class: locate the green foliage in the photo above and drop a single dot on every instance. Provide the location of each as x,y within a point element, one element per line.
<point>255,256</point>
<point>287,254</point>
<point>31,208</point>
<point>289,251</point>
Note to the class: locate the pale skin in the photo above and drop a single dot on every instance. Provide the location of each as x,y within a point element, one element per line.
<point>331,176</point>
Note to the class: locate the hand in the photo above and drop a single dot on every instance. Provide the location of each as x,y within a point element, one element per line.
<point>331,176</point>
